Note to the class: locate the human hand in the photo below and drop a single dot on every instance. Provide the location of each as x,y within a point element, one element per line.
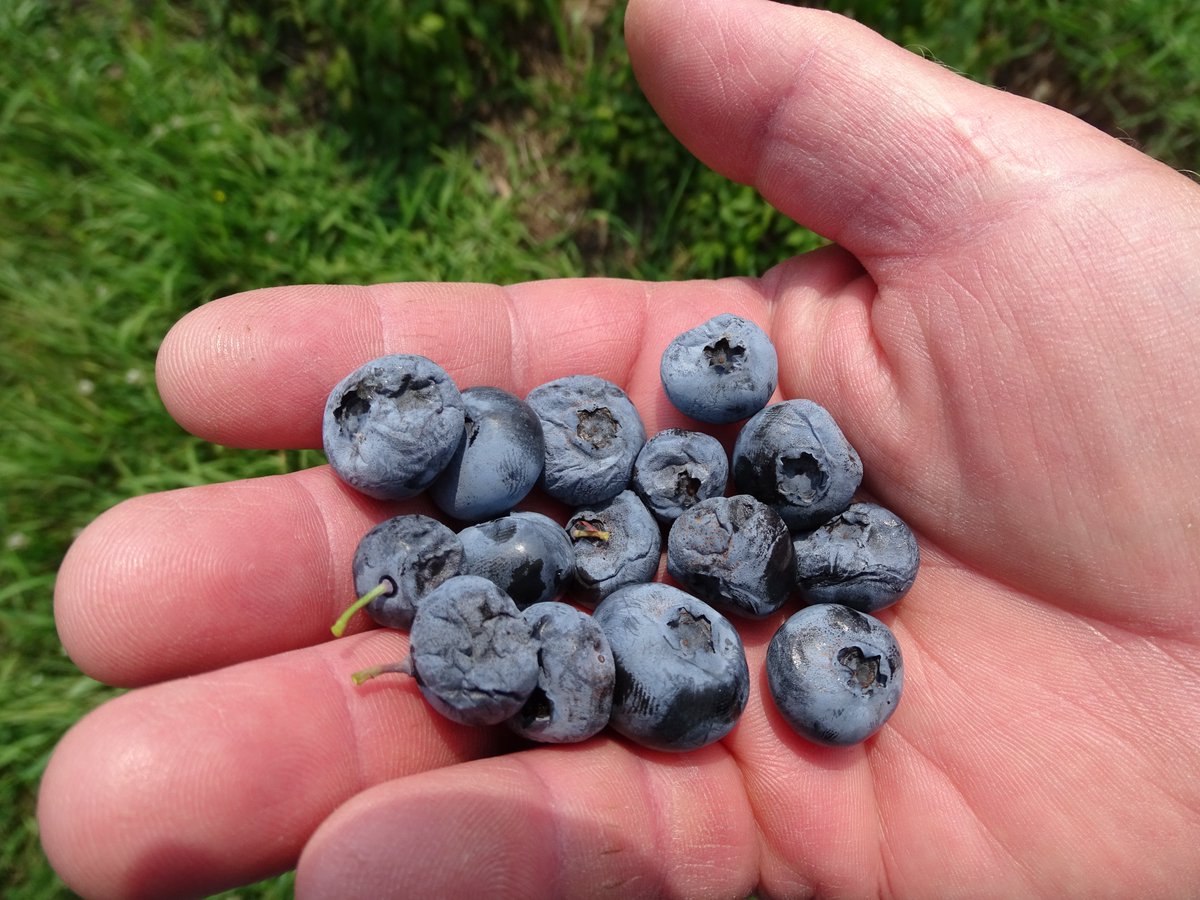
<point>1006,330</point>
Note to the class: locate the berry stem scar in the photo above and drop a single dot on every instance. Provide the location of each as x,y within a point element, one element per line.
<point>339,627</point>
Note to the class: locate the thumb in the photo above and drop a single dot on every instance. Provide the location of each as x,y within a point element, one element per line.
<point>883,152</point>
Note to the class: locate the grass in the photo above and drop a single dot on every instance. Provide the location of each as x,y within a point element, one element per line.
<point>157,155</point>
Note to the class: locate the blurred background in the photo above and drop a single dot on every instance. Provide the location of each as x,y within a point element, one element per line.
<point>155,155</point>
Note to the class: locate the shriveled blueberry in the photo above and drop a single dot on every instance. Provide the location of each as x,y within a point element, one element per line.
<point>836,674</point>
<point>527,555</point>
<point>721,371</point>
<point>573,697</point>
<point>392,425</point>
<point>733,552</point>
<point>471,653</point>
<point>592,433</point>
<point>793,456</point>
<point>677,469</point>
<point>866,558</point>
<point>498,460</point>
<point>682,679</point>
<point>616,543</point>
<point>397,563</point>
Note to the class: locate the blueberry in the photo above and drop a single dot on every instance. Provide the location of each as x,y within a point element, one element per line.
<point>527,555</point>
<point>682,679</point>
<point>471,653</point>
<point>835,674</point>
<point>735,553</point>
<point>593,434</point>
<point>498,460</point>
<point>392,425</point>
<point>616,543</point>
<point>866,558</point>
<point>396,564</point>
<point>676,469</point>
<point>721,371</point>
<point>573,697</point>
<point>793,456</point>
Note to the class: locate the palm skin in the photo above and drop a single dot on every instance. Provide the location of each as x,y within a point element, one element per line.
<point>1006,330</point>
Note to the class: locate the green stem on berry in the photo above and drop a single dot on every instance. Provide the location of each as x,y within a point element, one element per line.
<point>404,667</point>
<point>585,529</point>
<point>339,627</point>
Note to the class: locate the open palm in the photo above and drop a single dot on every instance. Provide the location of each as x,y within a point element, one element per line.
<point>1006,328</point>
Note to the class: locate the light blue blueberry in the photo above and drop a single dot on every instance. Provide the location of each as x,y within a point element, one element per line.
<point>392,425</point>
<point>721,371</point>
<point>835,674</point>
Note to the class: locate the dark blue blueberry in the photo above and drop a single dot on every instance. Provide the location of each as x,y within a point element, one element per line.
<point>678,468</point>
<point>866,558</point>
<point>616,543</point>
<point>573,697</point>
<point>835,674</point>
<point>527,555</point>
<point>682,678</point>
<point>409,556</point>
<point>793,456</point>
<point>392,425</point>
<point>721,371</point>
<point>593,434</point>
<point>498,460</point>
<point>735,553</point>
<point>472,652</point>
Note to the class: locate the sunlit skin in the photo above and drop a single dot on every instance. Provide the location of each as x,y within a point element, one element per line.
<point>1006,326</point>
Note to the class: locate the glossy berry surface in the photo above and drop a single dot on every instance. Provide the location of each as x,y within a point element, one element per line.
<point>592,433</point>
<point>835,674</point>
<point>472,653</point>
<point>734,553</point>
<point>866,558</point>
<point>676,469</point>
<point>794,457</point>
<point>525,554</point>
<point>682,678</point>
<point>617,543</point>
<point>498,460</point>
<point>721,371</point>
<point>573,697</point>
<point>392,425</point>
<point>413,554</point>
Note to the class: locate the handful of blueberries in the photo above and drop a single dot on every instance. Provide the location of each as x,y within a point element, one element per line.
<point>490,639</point>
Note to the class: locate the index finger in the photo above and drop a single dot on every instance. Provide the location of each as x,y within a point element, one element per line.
<point>254,369</point>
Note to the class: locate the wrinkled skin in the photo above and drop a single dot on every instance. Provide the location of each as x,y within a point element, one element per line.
<point>1005,327</point>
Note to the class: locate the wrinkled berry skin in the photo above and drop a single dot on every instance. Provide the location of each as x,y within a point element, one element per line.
<point>835,674</point>
<point>677,469</point>
<point>573,697</point>
<point>414,554</point>
<point>682,679</point>
<point>793,457</point>
<point>498,460</point>
<point>616,543</point>
<point>525,554</point>
<point>472,652</point>
<point>734,553</point>
<point>721,371</point>
<point>866,558</point>
<point>392,425</point>
<point>592,433</point>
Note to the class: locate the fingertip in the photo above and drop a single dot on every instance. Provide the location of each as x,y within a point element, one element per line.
<point>97,816</point>
<point>265,356</point>
<point>186,581</point>
<point>87,571</point>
